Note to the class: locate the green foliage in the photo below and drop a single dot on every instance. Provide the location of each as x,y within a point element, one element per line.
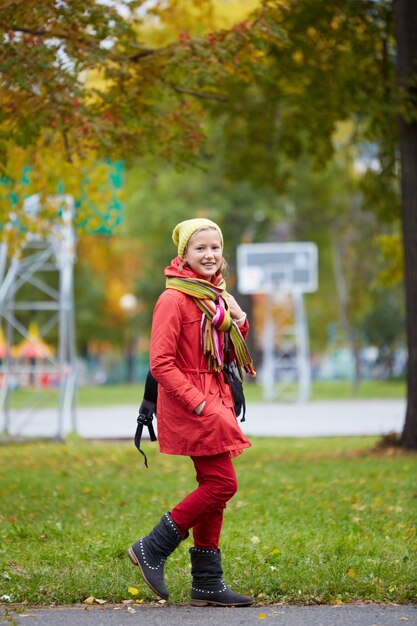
<point>330,62</point>
<point>314,521</point>
<point>383,325</point>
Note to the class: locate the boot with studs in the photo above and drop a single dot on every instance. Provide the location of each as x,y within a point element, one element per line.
<point>151,552</point>
<point>208,587</point>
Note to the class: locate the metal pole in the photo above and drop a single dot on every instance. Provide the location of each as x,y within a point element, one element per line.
<point>3,261</point>
<point>8,376</point>
<point>268,376</point>
<point>303,353</point>
<point>67,361</point>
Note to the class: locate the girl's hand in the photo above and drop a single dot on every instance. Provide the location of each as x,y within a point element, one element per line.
<point>236,313</point>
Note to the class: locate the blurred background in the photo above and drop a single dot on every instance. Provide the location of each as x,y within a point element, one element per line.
<point>278,119</point>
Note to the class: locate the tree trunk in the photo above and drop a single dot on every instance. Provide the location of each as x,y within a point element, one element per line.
<point>406,34</point>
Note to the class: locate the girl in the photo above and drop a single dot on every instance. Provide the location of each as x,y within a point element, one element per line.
<point>195,410</point>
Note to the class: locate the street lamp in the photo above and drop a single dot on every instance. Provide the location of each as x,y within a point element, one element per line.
<point>129,305</point>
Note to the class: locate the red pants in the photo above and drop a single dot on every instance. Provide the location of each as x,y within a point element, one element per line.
<point>202,510</point>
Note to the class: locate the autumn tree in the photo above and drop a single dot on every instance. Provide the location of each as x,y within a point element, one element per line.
<point>82,81</point>
<point>406,33</point>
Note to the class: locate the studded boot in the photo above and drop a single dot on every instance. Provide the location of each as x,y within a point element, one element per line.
<point>208,587</point>
<point>151,552</point>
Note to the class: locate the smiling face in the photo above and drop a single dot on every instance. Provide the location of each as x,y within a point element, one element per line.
<point>204,252</point>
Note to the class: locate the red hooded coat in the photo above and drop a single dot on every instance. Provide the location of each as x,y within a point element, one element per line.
<point>184,381</point>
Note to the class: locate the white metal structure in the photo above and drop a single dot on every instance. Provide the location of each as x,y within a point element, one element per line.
<point>54,252</point>
<point>278,269</point>
<point>267,267</point>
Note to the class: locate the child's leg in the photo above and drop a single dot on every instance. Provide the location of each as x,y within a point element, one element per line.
<point>206,533</point>
<point>203,508</point>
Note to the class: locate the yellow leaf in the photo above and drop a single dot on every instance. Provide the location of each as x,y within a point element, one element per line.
<point>298,57</point>
<point>262,616</point>
<point>89,600</point>
<point>351,573</point>
<point>133,591</point>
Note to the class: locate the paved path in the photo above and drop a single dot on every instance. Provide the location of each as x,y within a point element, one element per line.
<point>330,418</point>
<point>272,615</point>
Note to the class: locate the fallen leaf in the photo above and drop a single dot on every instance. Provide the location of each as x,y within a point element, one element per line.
<point>89,600</point>
<point>404,619</point>
<point>262,616</point>
<point>351,573</point>
<point>133,591</point>
<point>255,540</point>
<point>131,609</point>
<point>162,601</point>
<point>100,601</point>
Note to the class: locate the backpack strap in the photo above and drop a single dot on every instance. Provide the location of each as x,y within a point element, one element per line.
<point>233,378</point>
<point>145,417</point>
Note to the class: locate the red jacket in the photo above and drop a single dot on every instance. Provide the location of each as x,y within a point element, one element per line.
<point>180,367</point>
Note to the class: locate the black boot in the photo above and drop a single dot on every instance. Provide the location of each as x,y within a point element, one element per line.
<point>208,586</point>
<point>151,552</point>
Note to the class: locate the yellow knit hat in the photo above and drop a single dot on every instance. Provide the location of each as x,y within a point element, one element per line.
<point>184,231</point>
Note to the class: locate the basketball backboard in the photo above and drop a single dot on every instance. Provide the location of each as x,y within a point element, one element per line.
<point>270,267</point>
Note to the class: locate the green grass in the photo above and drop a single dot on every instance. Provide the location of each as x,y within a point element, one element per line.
<point>314,521</point>
<point>132,394</point>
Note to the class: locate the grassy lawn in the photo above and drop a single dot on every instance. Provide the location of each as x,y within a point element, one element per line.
<point>132,394</point>
<point>321,390</point>
<point>314,521</point>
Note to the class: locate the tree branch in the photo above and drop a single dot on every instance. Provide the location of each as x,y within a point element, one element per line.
<point>142,53</point>
<point>196,94</point>
<point>29,31</point>
<point>67,147</point>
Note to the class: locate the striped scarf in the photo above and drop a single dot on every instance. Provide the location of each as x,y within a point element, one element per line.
<point>216,317</point>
